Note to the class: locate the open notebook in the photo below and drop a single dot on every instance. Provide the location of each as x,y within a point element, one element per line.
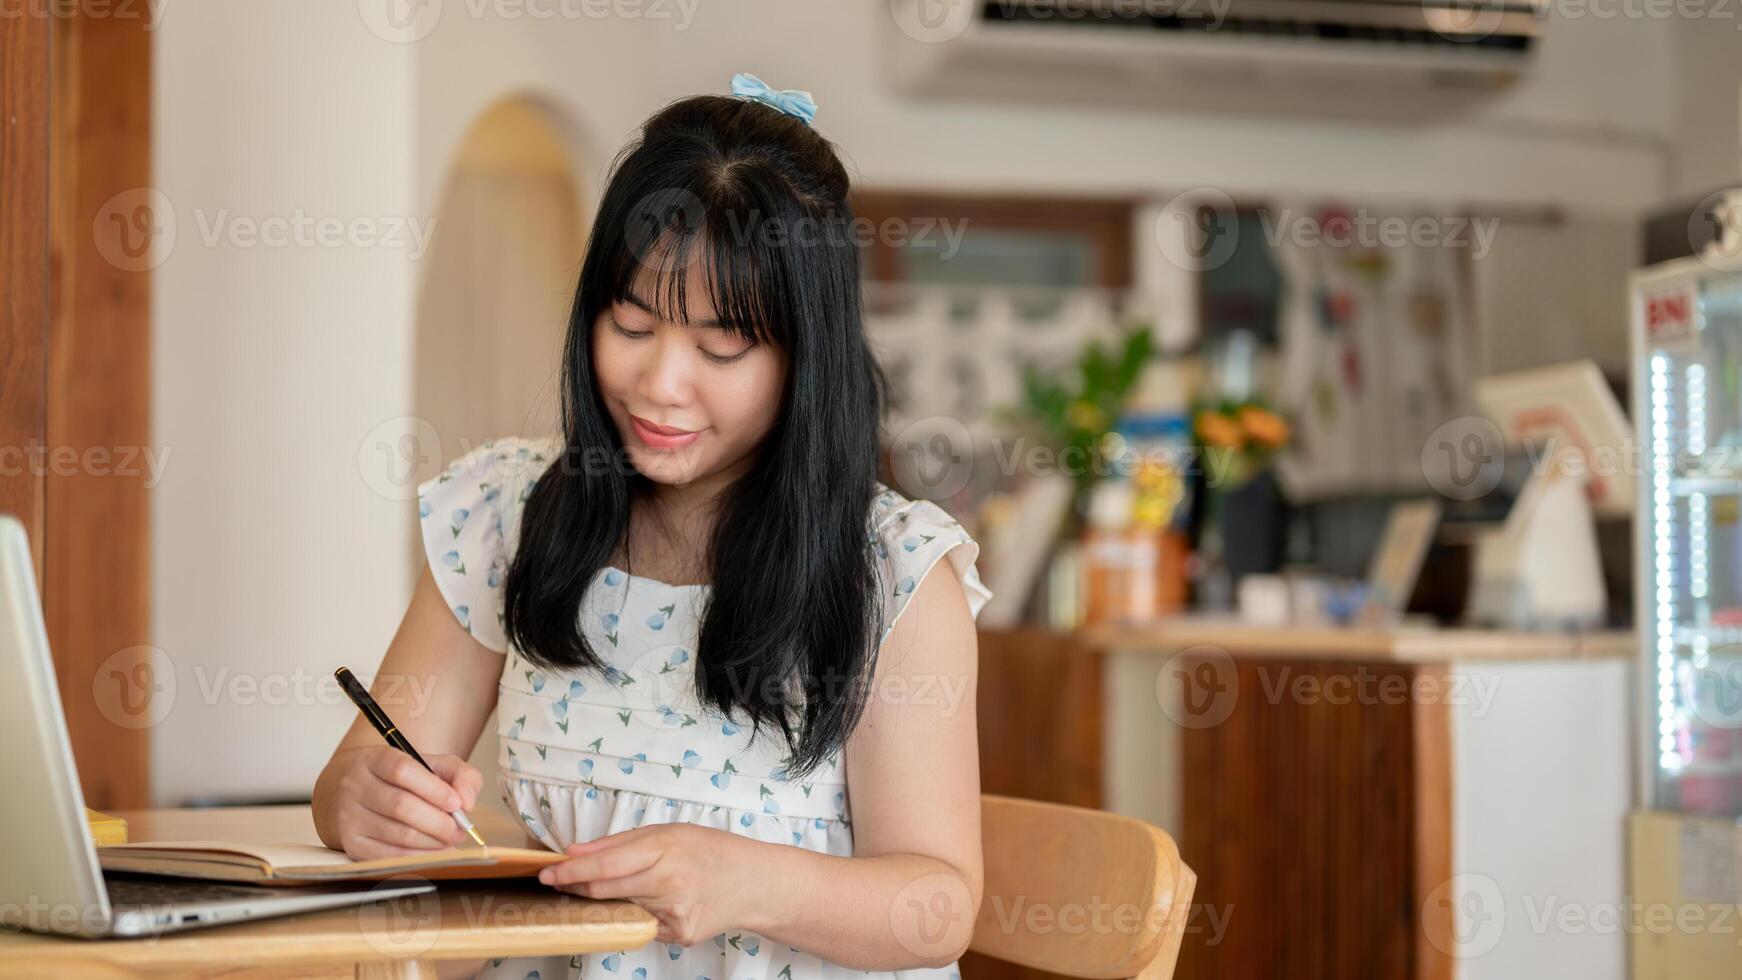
<point>308,864</point>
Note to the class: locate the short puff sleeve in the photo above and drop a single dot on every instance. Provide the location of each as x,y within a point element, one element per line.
<point>910,536</point>
<point>470,516</point>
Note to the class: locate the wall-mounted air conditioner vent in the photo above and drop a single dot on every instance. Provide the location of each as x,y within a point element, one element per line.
<point>1414,60</point>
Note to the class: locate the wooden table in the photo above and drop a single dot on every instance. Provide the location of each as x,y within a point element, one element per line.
<point>403,938</point>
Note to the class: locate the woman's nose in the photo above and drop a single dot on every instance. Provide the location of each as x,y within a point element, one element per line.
<point>666,378</point>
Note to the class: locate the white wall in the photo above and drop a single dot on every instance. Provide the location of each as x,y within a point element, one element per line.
<point>272,561</point>
<point>277,556</point>
<point>1708,121</point>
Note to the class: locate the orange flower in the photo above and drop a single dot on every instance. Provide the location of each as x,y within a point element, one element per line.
<point>1216,429</point>
<point>1265,427</point>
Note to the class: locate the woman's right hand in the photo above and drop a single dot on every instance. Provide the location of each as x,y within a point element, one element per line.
<point>376,801</point>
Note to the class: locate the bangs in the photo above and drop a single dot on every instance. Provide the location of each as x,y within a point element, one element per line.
<point>735,265</point>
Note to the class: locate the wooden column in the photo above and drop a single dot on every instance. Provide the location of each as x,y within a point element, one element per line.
<point>96,594</point>
<point>74,355</point>
<point>24,264</point>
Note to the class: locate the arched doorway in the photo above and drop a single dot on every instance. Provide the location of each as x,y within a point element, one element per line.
<point>494,300</point>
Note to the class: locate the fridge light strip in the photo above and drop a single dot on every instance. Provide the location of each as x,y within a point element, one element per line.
<point>1664,547</point>
<point>1697,537</point>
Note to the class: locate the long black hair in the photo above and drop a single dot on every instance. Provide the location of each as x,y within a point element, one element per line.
<point>789,635</point>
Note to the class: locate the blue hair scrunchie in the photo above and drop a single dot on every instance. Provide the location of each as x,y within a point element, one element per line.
<point>793,102</point>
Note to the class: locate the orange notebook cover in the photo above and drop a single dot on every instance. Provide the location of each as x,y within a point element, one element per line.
<point>310,864</point>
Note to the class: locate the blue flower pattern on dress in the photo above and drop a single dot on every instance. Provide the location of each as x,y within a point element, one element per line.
<point>585,754</point>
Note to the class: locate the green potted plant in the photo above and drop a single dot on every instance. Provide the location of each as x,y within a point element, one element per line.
<point>1076,412</point>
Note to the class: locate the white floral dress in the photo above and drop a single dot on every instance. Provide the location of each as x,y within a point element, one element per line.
<point>590,753</point>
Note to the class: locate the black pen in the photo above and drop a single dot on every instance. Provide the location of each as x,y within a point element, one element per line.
<point>359,696</point>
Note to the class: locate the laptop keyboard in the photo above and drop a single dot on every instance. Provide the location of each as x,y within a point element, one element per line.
<point>158,891</point>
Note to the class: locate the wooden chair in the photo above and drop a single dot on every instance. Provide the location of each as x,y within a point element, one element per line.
<point>1080,892</point>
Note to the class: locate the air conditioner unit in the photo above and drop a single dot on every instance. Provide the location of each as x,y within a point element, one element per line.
<point>1406,60</point>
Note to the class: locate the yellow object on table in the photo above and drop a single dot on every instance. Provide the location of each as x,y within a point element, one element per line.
<point>106,829</point>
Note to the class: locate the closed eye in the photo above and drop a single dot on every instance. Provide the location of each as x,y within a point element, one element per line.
<point>710,355</point>
<point>725,358</point>
<point>631,334</point>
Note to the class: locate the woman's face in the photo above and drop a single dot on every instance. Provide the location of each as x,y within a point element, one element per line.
<point>690,400</point>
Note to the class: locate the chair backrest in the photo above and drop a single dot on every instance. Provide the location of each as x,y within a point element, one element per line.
<point>1080,892</point>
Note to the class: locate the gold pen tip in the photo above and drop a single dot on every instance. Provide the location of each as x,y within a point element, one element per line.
<point>477,836</point>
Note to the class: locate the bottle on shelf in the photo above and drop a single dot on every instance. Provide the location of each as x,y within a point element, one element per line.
<point>1119,559</point>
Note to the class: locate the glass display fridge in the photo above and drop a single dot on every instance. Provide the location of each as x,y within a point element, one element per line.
<point>1687,412</point>
<point>1684,839</point>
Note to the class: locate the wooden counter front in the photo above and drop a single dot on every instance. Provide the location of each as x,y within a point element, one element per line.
<point>1324,780</point>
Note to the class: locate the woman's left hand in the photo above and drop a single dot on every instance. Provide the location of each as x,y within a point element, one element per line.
<point>694,880</point>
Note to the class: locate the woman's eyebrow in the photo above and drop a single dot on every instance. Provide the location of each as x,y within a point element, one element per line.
<point>642,305</point>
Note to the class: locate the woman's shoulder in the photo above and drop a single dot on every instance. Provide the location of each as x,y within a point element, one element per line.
<point>497,461</point>
<point>910,536</point>
<point>889,504</point>
<point>470,516</point>
<point>490,481</point>
<point>896,514</point>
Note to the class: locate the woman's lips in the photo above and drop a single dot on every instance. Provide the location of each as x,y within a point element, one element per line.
<point>660,437</point>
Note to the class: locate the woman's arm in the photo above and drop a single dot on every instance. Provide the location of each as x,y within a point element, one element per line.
<point>438,684</point>
<point>909,895</point>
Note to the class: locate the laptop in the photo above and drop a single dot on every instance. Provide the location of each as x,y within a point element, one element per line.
<point>49,877</point>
